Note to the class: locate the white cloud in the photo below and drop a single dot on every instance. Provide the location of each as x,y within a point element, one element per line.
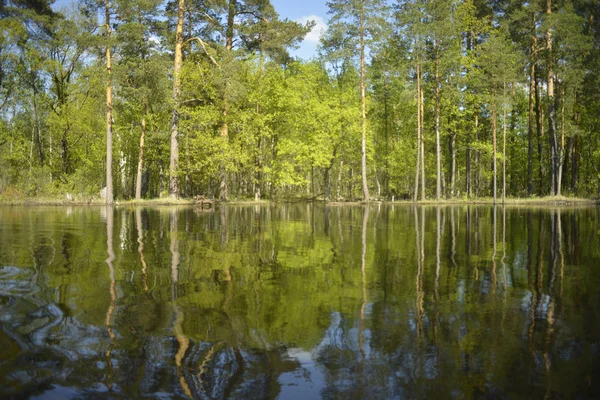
<point>314,36</point>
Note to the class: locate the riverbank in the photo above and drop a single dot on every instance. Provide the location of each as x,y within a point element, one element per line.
<point>534,201</point>
<point>528,201</point>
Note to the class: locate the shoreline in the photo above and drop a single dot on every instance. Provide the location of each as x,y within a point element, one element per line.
<point>541,201</point>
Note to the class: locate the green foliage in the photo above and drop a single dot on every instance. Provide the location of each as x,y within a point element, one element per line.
<point>293,127</point>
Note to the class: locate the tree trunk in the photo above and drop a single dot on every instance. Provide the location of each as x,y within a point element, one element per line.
<point>568,157</point>
<point>138,182</point>
<point>258,177</point>
<point>36,121</point>
<point>312,180</point>
<point>513,184</point>
<point>50,156</point>
<point>551,109</point>
<point>418,165</point>
<point>339,180</point>
<point>351,186</point>
<point>477,157</point>
<point>258,182</point>
<point>468,167</point>
<point>364,108</point>
<point>531,117</point>
<point>438,152</point>
<point>540,134</point>
<point>109,177</point>
<point>468,152</point>
<point>387,151</point>
<point>174,161</point>
<point>575,165</point>
<point>504,147</point>
<point>494,151</point>
<point>328,183</point>
<point>422,146</point>
<point>31,148</point>
<point>452,164</point>
<point>223,187</point>
<point>378,183</point>
<point>561,150</point>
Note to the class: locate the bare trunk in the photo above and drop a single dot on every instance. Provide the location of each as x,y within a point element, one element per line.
<point>452,164</point>
<point>351,186</point>
<point>109,177</point>
<point>494,250</point>
<point>477,157</point>
<point>504,148</point>
<point>36,121</point>
<point>561,150</point>
<point>468,168</point>
<point>312,180</point>
<point>328,183</point>
<point>174,162</point>
<point>494,151</point>
<point>364,109</point>
<point>422,148</point>
<point>258,177</point>
<point>339,180</point>
<point>551,109</point>
<point>438,152</point>
<point>387,151</point>
<point>575,165</point>
<point>531,106</point>
<point>31,149</point>
<point>530,131</point>
<point>468,152</point>
<point>138,182</point>
<point>223,187</point>
<point>540,134</point>
<point>258,182</point>
<point>418,165</point>
<point>378,183</point>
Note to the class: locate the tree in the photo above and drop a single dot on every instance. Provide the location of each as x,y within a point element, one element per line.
<point>177,61</point>
<point>410,18</point>
<point>361,21</point>
<point>440,26</point>
<point>239,117</point>
<point>499,63</point>
<point>248,27</point>
<point>143,85</point>
<point>109,116</point>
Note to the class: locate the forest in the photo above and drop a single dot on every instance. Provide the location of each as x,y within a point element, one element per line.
<point>407,99</point>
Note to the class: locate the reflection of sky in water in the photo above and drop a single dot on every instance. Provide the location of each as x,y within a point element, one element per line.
<point>530,323</point>
<point>306,382</point>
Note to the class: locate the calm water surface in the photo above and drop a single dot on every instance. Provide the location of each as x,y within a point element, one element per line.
<point>300,302</point>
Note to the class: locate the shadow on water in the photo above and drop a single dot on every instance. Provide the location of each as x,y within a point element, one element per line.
<point>299,302</point>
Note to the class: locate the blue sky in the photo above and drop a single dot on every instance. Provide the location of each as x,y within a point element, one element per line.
<point>302,11</point>
<point>295,10</point>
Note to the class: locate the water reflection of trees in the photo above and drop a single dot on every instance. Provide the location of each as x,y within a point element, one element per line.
<point>369,302</point>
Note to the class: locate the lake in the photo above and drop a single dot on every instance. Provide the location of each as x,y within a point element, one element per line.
<point>299,302</point>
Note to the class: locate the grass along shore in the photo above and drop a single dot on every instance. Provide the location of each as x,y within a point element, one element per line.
<point>528,201</point>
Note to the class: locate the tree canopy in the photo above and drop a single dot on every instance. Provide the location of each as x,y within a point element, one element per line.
<point>464,98</point>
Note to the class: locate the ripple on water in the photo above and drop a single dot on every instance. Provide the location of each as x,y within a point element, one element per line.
<point>16,282</point>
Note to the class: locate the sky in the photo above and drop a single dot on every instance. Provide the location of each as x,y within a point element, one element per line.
<point>303,11</point>
<point>295,10</point>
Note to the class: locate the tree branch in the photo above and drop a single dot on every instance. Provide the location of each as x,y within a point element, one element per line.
<point>192,101</point>
<point>205,49</point>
